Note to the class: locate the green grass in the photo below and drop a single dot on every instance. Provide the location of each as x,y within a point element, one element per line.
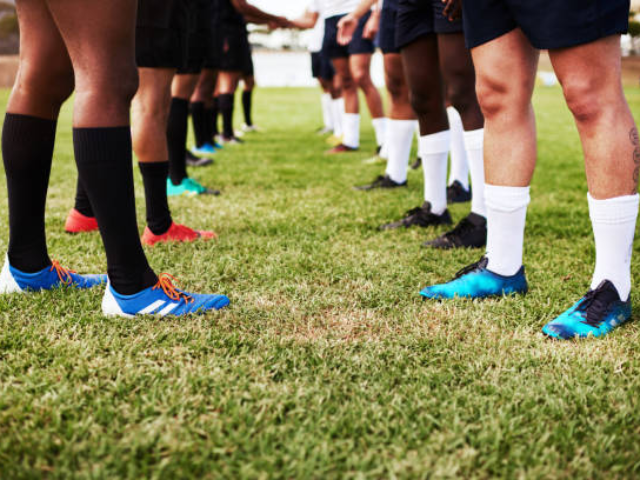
<point>327,364</point>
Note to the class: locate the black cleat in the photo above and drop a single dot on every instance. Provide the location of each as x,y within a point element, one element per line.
<point>456,193</point>
<point>421,217</point>
<point>471,232</point>
<point>195,161</point>
<point>382,181</point>
<point>417,164</point>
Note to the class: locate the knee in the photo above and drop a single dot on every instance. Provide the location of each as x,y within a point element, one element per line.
<point>347,83</point>
<point>462,96</point>
<point>496,96</point>
<point>583,99</point>
<point>126,88</point>
<point>362,79</point>
<point>425,104</point>
<point>116,86</point>
<point>396,89</point>
<point>52,87</point>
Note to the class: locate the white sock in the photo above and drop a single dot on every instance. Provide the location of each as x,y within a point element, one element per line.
<point>614,226</point>
<point>384,150</point>
<point>380,127</point>
<point>474,143</point>
<point>506,217</point>
<point>327,114</point>
<point>459,164</point>
<point>351,129</point>
<point>399,140</point>
<point>434,151</point>
<point>337,109</point>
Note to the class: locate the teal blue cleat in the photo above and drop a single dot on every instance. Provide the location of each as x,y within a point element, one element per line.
<point>475,281</point>
<point>594,315</point>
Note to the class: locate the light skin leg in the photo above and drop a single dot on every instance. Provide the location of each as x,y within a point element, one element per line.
<point>360,65</point>
<point>506,104</point>
<point>591,80</point>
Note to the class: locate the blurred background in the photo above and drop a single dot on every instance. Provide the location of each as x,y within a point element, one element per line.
<point>281,57</point>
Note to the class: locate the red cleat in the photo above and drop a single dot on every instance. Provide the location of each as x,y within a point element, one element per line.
<point>176,233</point>
<point>341,149</point>
<point>79,223</point>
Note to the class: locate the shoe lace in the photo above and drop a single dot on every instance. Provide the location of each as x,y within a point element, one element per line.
<point>64,274</point>
<point>166,283</point>
<point>596,304</point>
<point>482,263</point>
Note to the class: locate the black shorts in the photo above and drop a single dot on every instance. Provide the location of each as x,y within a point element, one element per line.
<point>357,46</point>
<point>417,18</point>
<point>234,44</point>
<point>247,66</point>
<point>321,66</point>
<point>197,35</point>
<point>548,24</point>
<point>160,33</point>
<point>387,32</point>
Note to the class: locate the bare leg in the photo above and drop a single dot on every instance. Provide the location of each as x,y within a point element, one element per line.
<point>347,85</point>
<point>397,87</point>
<point>506,104</point>
<point>590,77</point>
<point>360,66</point>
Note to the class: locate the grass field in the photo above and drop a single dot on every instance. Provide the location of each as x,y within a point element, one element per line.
<point>328,364</point>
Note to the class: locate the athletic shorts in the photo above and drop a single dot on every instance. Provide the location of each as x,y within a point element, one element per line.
<point>321,66</point>
<point>548,24</point>
<point>247,67</point>
<point>197,36</point>
<point>160,33</point>
<point>234,44</point>
<point>417,18</point>
<point>357,46</point>
<point>387,32</point>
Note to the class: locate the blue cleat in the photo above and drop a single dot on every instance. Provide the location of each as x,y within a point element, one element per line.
<point>595,314</point>
<point>162,299</point>
<point>475,281</point>
<point>206,149</point>
<point>13,280</point>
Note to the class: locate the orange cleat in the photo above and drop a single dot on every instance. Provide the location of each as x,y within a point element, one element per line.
<point>176,233</point>
<point>79,223</point>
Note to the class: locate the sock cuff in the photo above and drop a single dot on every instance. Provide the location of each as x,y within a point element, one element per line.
<point>474,139</point>
<point>435,143</point>
<point>613,210</point>
<point>17,126</point>
<point>98,145</point>
<point>225,100</point>
<point>506,199</point>
<point>179,102</point>
<point>352,117</point>
<point>402,124</point>
<point>379,121</point>
<point>453,115</point>
<point>154,169</point>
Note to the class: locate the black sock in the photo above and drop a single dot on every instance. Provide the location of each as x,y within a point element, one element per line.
<point>226,109</point>
<point>82,203</point>
<point>104,160</point>
<point>177,139</point>
<point>154,177</point>
<point>211,128</point>
<point>215,111</point>
<point>199,123</point>
<point>246,106</point>
<point>27,151</point>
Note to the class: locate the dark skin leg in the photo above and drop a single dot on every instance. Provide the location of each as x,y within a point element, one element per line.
<point>100,39</point>
<point>460,78</point>
<point>45,77</point>
<point>228,82</point>
<point>205,87</point>
<point>447,55</point>
<point>346,83</point>
<point>184,85</point>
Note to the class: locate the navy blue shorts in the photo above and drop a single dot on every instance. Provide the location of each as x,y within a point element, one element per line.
<point>387,32</point>
<point>357,46</point>
<point>321,66</point>
<point>417,18</point>
<point>548,24</point>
